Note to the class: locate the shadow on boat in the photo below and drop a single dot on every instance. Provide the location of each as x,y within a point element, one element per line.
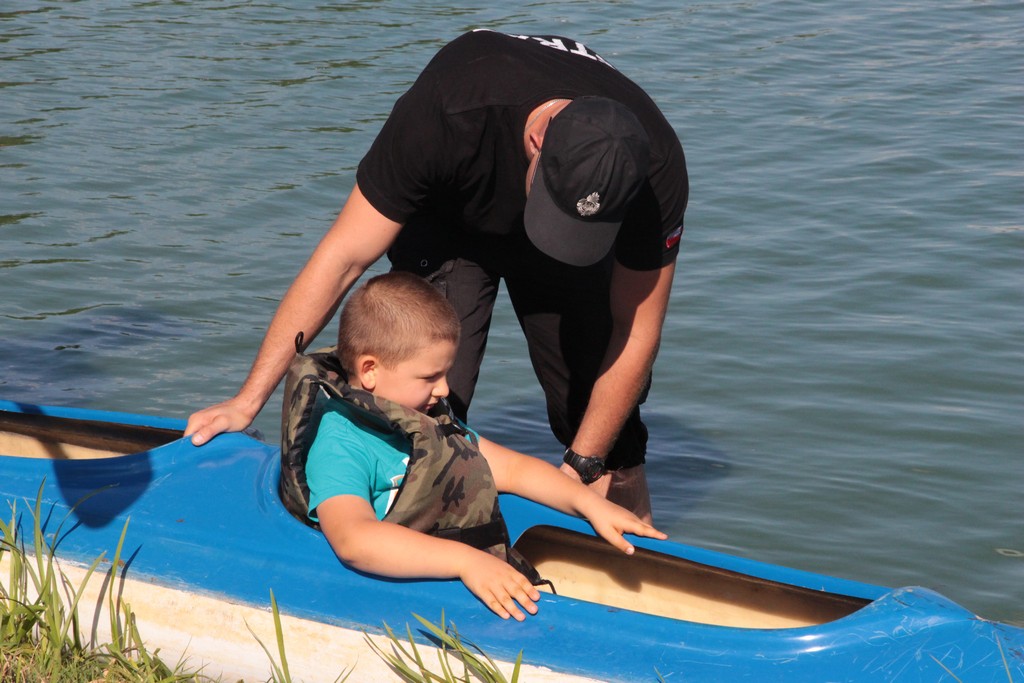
<point>120,454</point>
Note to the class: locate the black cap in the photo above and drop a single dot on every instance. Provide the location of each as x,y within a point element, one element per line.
<point>593,160</point>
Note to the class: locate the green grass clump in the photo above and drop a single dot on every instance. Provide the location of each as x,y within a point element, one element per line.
<point>410,666</point>
<point>279,671</point>
<point>41,636</point>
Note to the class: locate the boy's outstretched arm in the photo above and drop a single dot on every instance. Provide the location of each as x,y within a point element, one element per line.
<point>538,481</point>
<point>365,543</point>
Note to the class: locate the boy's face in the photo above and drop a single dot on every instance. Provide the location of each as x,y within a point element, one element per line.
<point>417,383</point>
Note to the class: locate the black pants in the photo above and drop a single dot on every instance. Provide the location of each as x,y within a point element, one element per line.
<point>562,310</point>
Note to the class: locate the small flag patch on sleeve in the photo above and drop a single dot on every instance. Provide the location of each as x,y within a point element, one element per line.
<point>674,237</point>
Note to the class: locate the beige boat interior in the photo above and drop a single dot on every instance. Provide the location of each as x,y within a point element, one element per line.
<point>588,568</point>
<point>29,435</point>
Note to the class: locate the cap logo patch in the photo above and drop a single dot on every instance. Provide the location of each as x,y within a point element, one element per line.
<point>589,205</point>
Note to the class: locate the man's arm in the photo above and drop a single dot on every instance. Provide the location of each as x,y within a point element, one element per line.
<point>365,543</point>
<point>639,300</point>
<point>360,235</point>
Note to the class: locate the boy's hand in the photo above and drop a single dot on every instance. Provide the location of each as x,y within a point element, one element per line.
<point>611,521</point>
<point>498,585</point>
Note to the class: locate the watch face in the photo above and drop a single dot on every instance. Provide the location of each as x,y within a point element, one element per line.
<point>589,469</point>
<point>592,469</point>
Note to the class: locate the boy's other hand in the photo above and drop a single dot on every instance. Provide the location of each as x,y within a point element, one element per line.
<point>499,586</point>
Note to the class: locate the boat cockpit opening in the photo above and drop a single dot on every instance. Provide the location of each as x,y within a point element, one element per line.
<point>587,568</point>
<point>30,435</point>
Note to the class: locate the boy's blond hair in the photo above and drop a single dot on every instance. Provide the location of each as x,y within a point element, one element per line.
<point>392,316</point>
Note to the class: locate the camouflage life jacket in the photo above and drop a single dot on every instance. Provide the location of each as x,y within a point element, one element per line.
<point>448,490</point>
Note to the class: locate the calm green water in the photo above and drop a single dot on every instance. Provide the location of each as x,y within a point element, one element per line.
<point>840,386</point>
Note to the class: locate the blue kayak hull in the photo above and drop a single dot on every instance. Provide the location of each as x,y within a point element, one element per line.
<point>208,520</point>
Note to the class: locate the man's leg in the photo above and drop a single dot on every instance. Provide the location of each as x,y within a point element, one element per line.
<point>471,290</point>
<point>567,323</point>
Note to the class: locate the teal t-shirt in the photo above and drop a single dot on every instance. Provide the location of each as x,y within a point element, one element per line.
<point>348,458</point>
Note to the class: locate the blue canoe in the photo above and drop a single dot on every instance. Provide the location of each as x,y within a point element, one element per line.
<point>207,521</point>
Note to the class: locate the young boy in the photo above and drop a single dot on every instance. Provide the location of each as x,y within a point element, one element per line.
<point>397,340</point>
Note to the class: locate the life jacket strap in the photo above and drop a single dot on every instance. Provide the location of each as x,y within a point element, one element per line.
<point>481,537</point>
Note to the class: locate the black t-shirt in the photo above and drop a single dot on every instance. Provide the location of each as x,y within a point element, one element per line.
<point>453,144</point>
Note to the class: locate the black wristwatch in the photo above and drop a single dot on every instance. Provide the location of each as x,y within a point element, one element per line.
<point>589,469</point>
